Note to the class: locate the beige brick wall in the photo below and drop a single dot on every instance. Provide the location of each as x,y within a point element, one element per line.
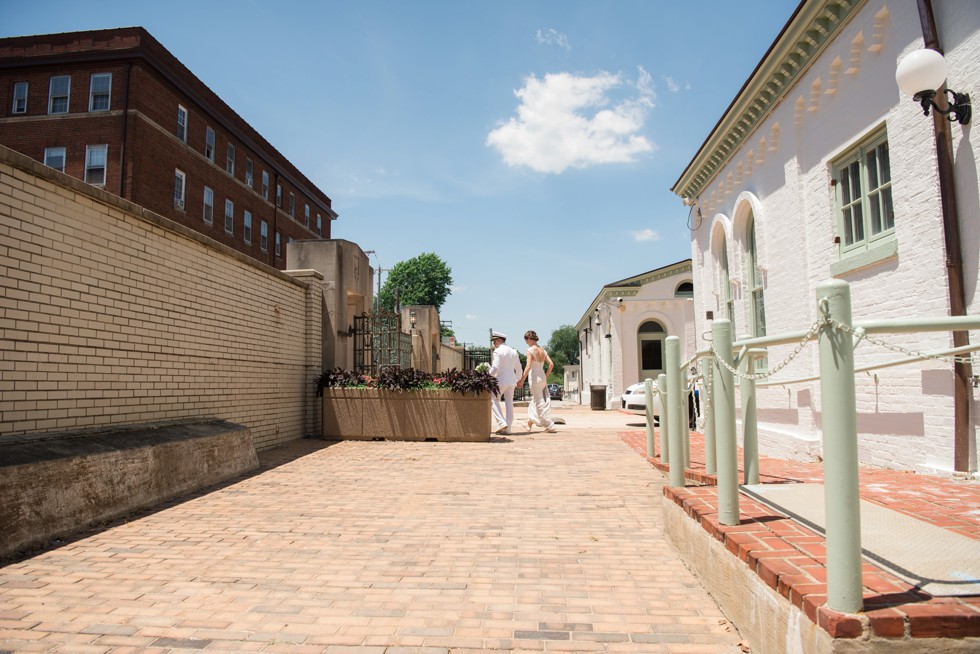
<point>112,315</point>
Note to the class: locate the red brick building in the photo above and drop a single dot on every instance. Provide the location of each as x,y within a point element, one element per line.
<point>116,109</point>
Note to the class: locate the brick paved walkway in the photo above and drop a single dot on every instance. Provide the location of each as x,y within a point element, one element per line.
<point>529,543</point>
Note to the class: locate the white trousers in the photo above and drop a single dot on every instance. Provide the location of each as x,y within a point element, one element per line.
<point>503,416</point>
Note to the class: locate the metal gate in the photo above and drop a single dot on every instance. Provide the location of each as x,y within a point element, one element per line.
<point>474,357</point>
<point>379,342</point>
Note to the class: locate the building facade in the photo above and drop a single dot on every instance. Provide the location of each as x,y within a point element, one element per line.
<point>115,109</point>
<point>822,169</point>
<point>621,334</point>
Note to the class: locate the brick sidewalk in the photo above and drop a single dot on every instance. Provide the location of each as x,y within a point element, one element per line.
<point>533,542</point>
<point>791,558</point>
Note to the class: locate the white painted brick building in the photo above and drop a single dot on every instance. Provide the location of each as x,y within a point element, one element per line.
<point>820,114</point>
<point>621,334</point>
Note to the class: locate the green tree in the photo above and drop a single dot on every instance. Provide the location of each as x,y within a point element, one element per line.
<point>563,348</point>
<point>422,280</point>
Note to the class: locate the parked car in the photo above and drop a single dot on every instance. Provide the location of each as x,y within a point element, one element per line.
<point>555,391</point>
<point>635,401</point>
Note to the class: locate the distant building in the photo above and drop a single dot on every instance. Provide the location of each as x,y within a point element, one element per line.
<point>114,108</point>
<point>621,334</point>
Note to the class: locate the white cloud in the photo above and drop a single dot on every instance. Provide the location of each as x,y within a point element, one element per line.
<point>552,37</point>
<point>471,316</point>
<point>672,86</point>
<point>645,235</point>
<point>568,121</point>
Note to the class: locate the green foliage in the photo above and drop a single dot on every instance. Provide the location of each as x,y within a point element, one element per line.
<point>446,332</point>
<point>424,279</point>
<point>563,349</point>
<point>407,379</point>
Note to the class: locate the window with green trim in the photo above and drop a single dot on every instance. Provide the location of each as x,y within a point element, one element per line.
<point>863,183</point>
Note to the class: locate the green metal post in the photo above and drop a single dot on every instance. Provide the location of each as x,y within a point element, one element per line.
<point>840,451</point>
<point>724,402</point>
<point>708,411</point>
<point>685,427</point>
<point>675,398</point>
<point>648,390</point>
<point>662,394</point>
<point>750,425</point>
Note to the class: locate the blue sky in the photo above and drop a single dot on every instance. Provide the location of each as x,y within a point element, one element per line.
<point>530,144</point>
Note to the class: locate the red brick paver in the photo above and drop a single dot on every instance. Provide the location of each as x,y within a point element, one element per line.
<point>533,542</point>
<point>791,558</point>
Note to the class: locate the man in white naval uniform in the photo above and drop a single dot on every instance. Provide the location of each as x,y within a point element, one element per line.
<point>506,367</point>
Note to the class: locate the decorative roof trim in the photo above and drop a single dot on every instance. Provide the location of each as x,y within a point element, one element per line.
<point>813,25</point>
<point>629,287</point>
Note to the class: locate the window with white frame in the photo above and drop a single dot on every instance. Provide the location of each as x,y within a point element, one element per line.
<point>725,282</point>
<point>279,195</point>
<point>58,94</point>
<point>20,98</point>
<point>265,184</point>
<point>95,164</point>
<point>99,90</point>
<point>319,225</point>
<point>247,227</point>
<point>230,160</point>
<point>264,236</point>
<point>229,216</point>
<point>306,215</point>
<point>180,186</point>
<point>292,204</point>
<point>208,205</point>
<point>55,158</point>
<point>182,123</point>
<point>248,173</point>
<point>278,243</point>
<point>209,144</point>
<point>757,300</point>
<point>864,195</point>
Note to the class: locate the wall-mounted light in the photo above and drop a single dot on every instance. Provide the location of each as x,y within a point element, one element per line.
<point>920,74</point>
<point>412,318</point>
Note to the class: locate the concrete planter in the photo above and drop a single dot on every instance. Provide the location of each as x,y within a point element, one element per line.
<point>371,413</point>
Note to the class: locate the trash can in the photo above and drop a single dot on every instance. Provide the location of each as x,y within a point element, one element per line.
<point>598,398</point>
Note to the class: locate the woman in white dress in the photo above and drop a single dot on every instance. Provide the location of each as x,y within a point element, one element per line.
<point>539,408</point>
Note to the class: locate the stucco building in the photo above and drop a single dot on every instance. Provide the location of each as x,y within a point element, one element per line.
<point>115,109</point>
<point>822,169</point>
<point>621,334</point>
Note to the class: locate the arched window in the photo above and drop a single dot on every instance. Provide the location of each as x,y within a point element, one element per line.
<point>726,282</point>
<point>684,289</point>
<point>754,278</point>
<point>650,344</point>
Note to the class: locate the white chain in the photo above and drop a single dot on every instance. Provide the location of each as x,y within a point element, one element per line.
<point>848,329</point>
<point>814,329</point>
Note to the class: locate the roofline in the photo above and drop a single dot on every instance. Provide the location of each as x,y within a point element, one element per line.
<point>812,26</point>
<point>625,287</point>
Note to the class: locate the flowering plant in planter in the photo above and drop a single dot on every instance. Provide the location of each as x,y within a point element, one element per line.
<point>392,378</point>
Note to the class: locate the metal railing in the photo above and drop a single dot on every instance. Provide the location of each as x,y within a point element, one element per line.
<point>727,360</point>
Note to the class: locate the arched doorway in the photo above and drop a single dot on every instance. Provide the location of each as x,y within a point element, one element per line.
<point>650,337</point>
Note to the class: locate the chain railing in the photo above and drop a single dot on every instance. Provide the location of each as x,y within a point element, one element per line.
<point>725,360</point>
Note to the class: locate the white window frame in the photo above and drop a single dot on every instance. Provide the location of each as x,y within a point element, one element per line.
<point>94,95</point>
<point>20,92</point>
<point>229,217</point>
<point>279,195</point>
<point>182,122</point>
<point>292,205</point>
<point>208,205</point>
<point>278,243</point>
<point>856,161</point>
<point>249,177</point>
<point>230,159</point>
<point>306,215</point>
<point>90,151</point>
<point>264,236</point>
<point>52,153</point>
<point>180,189</point>
<point>319,225</point>
<point>265,184</point>
<point>209,141</point>
<point>247,227</point>
<point>52,98</point>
